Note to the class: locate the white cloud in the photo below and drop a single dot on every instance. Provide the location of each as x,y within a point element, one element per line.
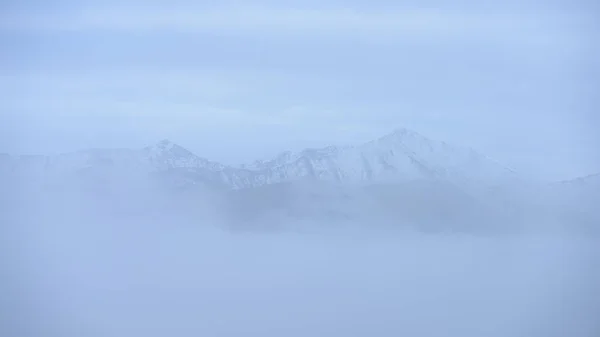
<point>167,100</point>
<point>123,83</point>
<point>384,24</point>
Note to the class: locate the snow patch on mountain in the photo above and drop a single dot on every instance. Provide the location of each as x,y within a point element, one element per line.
<point>166,154</point>
<point>400,156</point>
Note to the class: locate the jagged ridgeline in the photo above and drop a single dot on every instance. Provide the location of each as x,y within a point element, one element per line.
<point>402,178</point>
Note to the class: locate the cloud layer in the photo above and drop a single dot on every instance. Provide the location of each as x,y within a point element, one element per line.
<point>304,74</point>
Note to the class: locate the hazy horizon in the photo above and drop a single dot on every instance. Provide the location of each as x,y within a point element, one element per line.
<point>233,82</point>
<point>525,174</point>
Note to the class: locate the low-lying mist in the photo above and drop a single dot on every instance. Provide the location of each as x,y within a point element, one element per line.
<point>75,270</point>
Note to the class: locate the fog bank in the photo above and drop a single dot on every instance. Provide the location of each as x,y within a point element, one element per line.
<point>122,278</point>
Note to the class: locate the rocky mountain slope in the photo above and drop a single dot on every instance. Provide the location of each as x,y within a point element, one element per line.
<point>401,156</point>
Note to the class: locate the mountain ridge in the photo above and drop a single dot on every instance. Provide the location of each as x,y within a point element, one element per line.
<point>401,177</point>
<point>401,155</point>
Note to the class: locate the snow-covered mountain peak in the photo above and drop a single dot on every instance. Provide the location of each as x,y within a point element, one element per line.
<point>402,155</point>
<point>167,147</point>
<point>166,154</point>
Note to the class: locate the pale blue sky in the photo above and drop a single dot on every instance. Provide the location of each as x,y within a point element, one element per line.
<point>234,81</point>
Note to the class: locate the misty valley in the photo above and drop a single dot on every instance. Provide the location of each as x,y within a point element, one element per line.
<point>400,236</point>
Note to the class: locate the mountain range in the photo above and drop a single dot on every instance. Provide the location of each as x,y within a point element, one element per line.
<point>403,155</point>
<point>400,177</point>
